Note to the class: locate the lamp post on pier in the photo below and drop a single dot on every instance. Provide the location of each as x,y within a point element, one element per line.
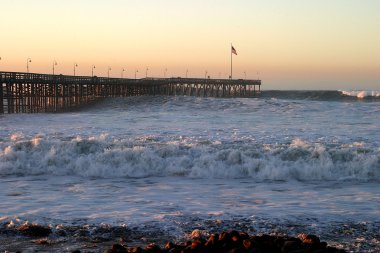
<point>27,64</point>
<point>206,74</point>
<point>136,73</point>
<point>75,65</point>
<point>108,71</point>
<point>245,75</point>
<point>54,64</point>
<point>146,72</point>
<point>187,71</point>
<point>122,72</point>
<point>92,70</point>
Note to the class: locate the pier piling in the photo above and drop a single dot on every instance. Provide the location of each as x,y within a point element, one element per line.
<point>34,93</point>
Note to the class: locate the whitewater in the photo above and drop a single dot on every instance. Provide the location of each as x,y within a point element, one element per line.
<point>286,162</point>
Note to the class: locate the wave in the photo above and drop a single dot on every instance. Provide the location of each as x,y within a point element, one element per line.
<point>148,156</point>
<point>326,95</point>
<point>362,94</point>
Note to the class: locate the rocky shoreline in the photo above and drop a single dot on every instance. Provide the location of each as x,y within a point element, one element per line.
<point>235,242</point>
<point>35,238</point>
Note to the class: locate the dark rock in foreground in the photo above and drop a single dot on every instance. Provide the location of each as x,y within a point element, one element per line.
<point>224,242</point>
<point>34,230</point>
<point>236,242</point>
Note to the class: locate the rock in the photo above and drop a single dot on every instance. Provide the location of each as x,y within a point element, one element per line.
<point>234,233</point>
<point>236,250</point>
<point>34,230</point>
<point>153,248</point>
<point>247,244</point>
<point>175,250</point>
<point>212,240</point>
<point>196,234</point>
<point>169,245</point>
<point>301,251</point>
<point>290,246</point>
<point>197,245</point>
<point>320,251</point>
<point>311,239</point>
<point>224,237</point>
<point>135,250</point>
<point>244,235</point>
<point>117,248</point>
<point>225,242</point>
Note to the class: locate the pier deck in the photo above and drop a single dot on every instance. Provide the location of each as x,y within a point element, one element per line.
<point>32,92</point>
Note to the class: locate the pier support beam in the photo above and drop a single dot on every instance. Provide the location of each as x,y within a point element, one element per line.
<point>30,92</point>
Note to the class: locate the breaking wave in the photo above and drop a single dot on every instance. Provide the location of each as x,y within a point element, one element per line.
<point>323,95</point>
<point>362,94</point>
<point>107,157</point>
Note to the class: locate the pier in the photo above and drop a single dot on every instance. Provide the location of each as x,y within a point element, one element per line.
<point>34,93</point>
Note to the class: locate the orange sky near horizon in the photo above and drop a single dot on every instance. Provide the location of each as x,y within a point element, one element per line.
<point>289,45</point>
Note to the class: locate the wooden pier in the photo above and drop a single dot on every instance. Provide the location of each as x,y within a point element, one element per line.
<point>33,93</point>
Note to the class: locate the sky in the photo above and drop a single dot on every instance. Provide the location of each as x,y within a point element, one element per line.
<point>292,44</point>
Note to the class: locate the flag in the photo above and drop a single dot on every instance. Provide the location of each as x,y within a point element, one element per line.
<point>233,50</point>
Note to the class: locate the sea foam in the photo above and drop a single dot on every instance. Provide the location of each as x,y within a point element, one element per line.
<point>108,157</point>
<point>361,94</point>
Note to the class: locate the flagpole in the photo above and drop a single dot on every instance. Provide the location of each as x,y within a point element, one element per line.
<point>231,60</point>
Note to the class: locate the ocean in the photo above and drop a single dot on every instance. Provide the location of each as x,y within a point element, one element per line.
<point>286,162</point>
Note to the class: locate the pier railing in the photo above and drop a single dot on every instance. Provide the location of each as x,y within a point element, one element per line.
<point>32,92</point>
